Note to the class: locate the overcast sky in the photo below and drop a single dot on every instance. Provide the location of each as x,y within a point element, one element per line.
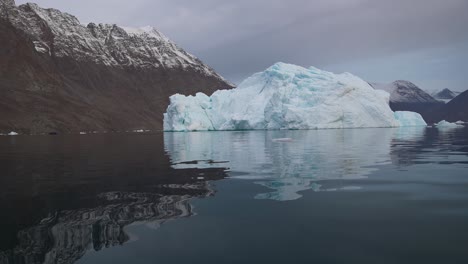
<point>424,41</point>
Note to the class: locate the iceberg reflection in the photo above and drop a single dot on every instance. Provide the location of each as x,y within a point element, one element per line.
<point>290,166</point>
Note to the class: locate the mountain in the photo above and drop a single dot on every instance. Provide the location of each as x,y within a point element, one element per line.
<point>455,110</point>
<point>445,95</point>
<point>287,96</point>
<point>406,96</point>
<point>59,75</point>
<point>405,92</point>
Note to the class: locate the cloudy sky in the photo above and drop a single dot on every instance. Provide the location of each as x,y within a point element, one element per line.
<point>424,41</point>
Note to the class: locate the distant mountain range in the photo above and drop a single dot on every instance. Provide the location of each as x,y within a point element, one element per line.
<point>405,92</point>
<point>406,96</point>
<point>455,110</point>
<point>443,105</point>
<point>58,75</point>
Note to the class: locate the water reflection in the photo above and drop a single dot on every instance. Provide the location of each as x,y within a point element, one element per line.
<point>302,162</point>
<point>63,196</point>
<point>65,236</point>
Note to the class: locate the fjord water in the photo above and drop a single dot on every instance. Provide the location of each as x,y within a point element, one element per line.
<point>324,196</point>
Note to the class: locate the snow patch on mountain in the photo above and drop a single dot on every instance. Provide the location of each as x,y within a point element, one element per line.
<point>61,35</point>
<point>287,96</point>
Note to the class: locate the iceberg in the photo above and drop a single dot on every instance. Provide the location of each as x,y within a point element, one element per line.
<point>12,133</point>
<point>409,119</point>
<point>446,124</point>
<point>287,96</point>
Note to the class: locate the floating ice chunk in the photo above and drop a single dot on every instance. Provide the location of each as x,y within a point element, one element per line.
<point>82,133</point>
<point>446,124</point>
<point>351,188</point>
<point>459,122</point>
<point>406,119</point>
<point>284,96</point>
<point>282,139</point>
<point>12,133</point>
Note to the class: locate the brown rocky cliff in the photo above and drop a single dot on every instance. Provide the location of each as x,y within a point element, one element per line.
<point>57,75</point>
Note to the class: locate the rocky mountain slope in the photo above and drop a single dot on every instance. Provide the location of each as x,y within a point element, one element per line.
<point>59,75</point>
<point>406,96</point>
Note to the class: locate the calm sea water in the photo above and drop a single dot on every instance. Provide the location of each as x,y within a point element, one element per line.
<point>325,196</point>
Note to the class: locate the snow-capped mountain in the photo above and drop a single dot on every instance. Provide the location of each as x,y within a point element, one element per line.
<point>65,76</point>
<point>406,96</point>
<point>445,95</point>
<point>405,92</point>
<point>59,34</point>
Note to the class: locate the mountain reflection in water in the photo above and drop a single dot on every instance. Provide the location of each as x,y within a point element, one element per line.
<point>61,199</point>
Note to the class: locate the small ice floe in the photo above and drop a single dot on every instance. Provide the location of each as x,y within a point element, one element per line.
<point>346,188</point>
<point>139,131</point>
<point>12,133</point>
<point>82,133</point>
<point>282,139</point>
<point>445,124</point>
<point>351,188</point>
<point>200,178</point>
<point>459,122</point>
<point>250,177</point>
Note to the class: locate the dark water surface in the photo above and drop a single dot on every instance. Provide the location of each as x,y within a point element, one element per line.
<point>325,196</point>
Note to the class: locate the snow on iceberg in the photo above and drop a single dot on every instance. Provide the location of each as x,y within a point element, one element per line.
<point>286,96</point>
<point>407,119</point>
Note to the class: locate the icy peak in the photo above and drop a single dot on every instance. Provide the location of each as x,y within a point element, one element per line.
<point>282,73</point>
